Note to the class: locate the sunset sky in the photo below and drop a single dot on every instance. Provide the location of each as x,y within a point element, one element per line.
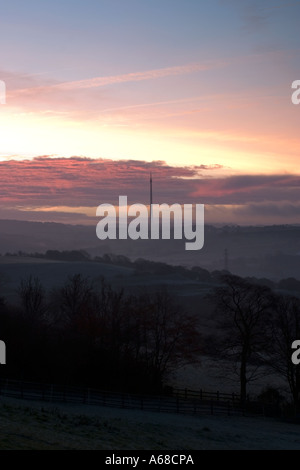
<point>101,92</point>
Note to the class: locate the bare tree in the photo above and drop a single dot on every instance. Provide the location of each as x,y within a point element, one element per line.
<point>76,298</point>
<point>111,314</point>
<point>32,296</point>
<point>242,310</point>
<point>168,336</point>
<point>285,327</point>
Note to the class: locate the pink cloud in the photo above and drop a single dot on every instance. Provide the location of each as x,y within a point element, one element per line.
<point>80,181</point>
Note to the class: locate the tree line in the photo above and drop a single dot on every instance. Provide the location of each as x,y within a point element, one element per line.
<point>87,333</point>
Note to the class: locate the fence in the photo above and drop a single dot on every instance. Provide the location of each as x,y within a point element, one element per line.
<point>205,395</point>
<point>180,401</point>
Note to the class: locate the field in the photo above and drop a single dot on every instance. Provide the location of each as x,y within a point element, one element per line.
<point>27,425</point>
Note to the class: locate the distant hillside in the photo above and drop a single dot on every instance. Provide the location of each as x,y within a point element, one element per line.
<point>270,251</point>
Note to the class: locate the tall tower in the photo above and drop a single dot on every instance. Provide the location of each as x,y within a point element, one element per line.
<point>150,198</point>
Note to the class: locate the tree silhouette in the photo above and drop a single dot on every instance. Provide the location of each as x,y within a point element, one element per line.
<point>285,327</point>
<point>168,337</point>
<point>32,296</point>
<point>76,298</point>
<point>242,310</point>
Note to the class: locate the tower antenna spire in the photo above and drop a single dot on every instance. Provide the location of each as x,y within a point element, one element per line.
<point>151,201</point>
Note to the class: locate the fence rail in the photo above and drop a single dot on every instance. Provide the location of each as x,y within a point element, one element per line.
<point>206,395</point>
<point>180,401</point>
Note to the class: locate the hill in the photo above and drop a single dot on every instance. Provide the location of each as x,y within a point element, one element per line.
<point>270,251</point>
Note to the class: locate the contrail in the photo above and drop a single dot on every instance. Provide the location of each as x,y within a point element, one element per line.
<point>134,77</point>
<point>128,77</point>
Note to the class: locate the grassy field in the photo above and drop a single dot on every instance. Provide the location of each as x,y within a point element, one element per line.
<point>26,425</point>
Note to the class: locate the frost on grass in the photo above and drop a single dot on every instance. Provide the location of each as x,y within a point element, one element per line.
<point>34,425</point>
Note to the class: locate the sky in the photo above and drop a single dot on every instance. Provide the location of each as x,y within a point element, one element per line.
<point>101,93</point>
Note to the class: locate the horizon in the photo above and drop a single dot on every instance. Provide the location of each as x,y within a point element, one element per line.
<point>93,222</point>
